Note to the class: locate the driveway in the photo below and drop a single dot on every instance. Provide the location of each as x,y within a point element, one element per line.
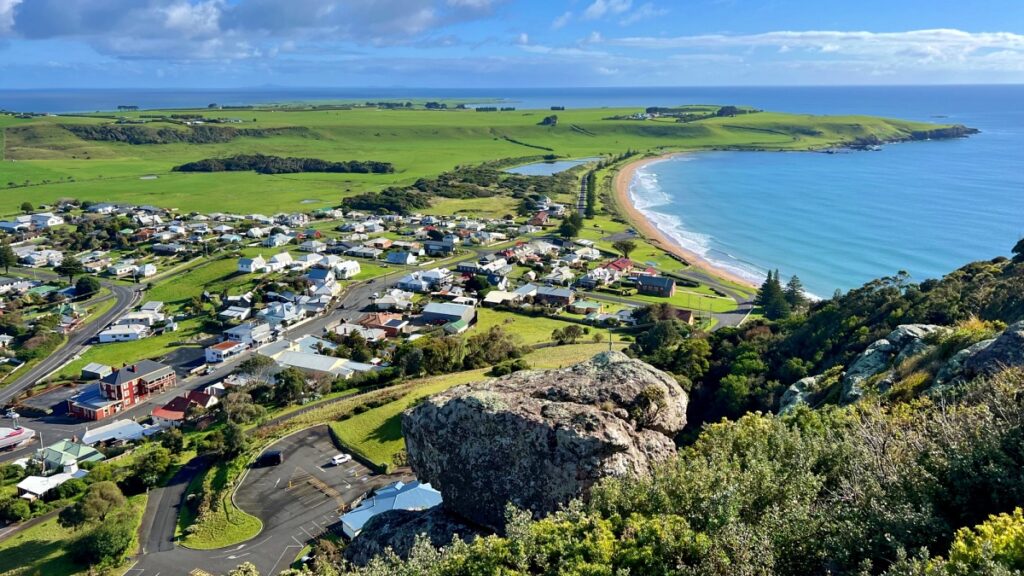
<point>297,501</point>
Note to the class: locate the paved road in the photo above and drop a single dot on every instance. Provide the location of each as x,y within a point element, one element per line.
<point>296,501</point>
<point>126,297</point>
<point>581,200</point>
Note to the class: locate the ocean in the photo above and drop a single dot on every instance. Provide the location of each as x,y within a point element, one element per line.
<point>836,221</point>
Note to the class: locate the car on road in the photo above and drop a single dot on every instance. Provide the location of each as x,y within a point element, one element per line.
<point>271,458</point>
<point>341,459</point>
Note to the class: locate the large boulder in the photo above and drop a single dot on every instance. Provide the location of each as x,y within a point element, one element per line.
<point>797,393</point>
<point>903,343</point>
<point>1007,351</point>
<point>953,370</point>
<point>399,529</point>
<point>538,439</point>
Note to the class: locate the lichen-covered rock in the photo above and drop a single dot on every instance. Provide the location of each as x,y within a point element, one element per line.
<point>797,393</point>
<point>1006,351</point>
<point>538,439</point>
<point>398,530</point>
<point>953,369</point>
<point>905,342</point>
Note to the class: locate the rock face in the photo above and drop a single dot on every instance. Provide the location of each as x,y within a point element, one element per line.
<point>953,370</point>
<point>398,530</point>
<point>1006,351</point>
<point>797,393</point>
<point>903,343</point>
<point>537,439</point>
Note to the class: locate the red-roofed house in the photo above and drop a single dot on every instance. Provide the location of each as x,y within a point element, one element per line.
<point>173,413</point>
<point>622,265</point>
<point>539,219</point>
<point>222,351</point>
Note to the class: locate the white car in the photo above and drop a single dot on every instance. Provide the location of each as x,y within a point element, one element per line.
<point>341,459</point>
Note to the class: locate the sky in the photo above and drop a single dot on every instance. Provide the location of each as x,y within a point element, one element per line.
<point>507,43</point>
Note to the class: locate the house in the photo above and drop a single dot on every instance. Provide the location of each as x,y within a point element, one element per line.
<point>413,282</point>
<point>45,220</point>
<point>280,313</point>
<point>102,208</point>
<point>394,299</point>
<point>95,371</point>
<point>561,275</point>
<point>146,318</point>
<point>122,388</point>
<point>35,487</point>
<point>236,313</point>
<point>379,243</point>
<point>225,350</point>
<point>152,306</point>
<point>122,268</point>
<point>498,297</point>
<point>313,246</point>
<point>145,270</point>
<point>162,249</point>
<point>598,277</point>
<point>656,286</point>
<point>438,248</point>
<point>43,258</point>
<point>364,252</point>
<point>123,333</point>
<point>115,432</point>
<point>368,334</point>
<point>401,257</point>
<point>397,496</point>
<point>347,269</point>
<point>173,413</point>
<point>445,312</point>
<point>539,219</point>
<point>554,296</point>
<point>585,307</point>
<point>279,262</point>
<point>65,454</point>
<point>320,277</point>
<point>252,265</point>
<point>19,224</point>
<point>252,334</point>
<point>276,240</point>
<point>391,324</point>
<point>620,265</point>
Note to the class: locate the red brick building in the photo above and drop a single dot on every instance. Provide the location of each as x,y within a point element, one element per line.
<point>121,389</point>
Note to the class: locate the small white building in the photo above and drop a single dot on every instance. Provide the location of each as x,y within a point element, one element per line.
<point>252,334</point>
<point>347,269</point>
<point>123,333</point>
<point>224,350</point>
<point>252,265</point>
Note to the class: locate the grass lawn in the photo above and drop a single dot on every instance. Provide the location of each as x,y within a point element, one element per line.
<point>377,433</point>
<point>226,524</point>
<point>684,298</point>
<point>529,329</point>
<point>118,353</point>
<point>44,549</point>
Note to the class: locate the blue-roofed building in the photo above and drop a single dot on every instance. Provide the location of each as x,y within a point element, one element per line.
<point>398,496</point>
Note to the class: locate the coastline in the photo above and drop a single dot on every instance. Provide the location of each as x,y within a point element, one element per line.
<point>647,229</point>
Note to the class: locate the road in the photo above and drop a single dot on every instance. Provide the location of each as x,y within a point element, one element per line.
<point>297,501</point>
<point>126,297</point>
<point>581,201</point>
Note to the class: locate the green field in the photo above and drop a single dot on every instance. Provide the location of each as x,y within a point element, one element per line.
<point>44,161</point>
<point>529,329</point>
<point>43,549</point>
<point>376,434</point>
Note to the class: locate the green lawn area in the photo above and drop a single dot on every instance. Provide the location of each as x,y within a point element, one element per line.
<point>43,549</point>
<point>530,329</point>
<point>376,434</point>
<point>118,353</point>
<point>227,524</point>
<point>684,298</point>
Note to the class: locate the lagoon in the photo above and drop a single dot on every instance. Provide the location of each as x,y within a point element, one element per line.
<point>548,168</point>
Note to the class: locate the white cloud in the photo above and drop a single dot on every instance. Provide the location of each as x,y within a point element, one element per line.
<point>601,8</point>
<point>561,20</point>
<point>523,38</point>
<point>475,4</point>
<point>645,11</point>
<point>593,38</point>
<point>7,14</point>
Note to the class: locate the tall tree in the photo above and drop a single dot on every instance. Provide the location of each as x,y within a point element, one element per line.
<point>794,293</point>
<point>7,257</point>
<point>571,225</point>
<point>626,247</point>
<point>70,267</point>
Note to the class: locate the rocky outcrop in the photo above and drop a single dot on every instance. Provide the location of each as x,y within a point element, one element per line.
<point>953,370</point>
<point>1006,351</point>
<point>903,343</point>
<point>398,530</point>
<point>797,393</point>
<point>538,439</point>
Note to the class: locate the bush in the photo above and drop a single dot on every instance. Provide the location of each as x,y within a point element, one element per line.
<point>108,543</point>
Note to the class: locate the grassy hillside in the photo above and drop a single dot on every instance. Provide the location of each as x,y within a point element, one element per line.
<point>45,161</point>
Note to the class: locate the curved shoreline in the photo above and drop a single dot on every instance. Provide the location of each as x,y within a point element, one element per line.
<point>622,183</point>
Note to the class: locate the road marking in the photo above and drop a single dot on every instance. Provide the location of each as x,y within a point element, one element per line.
<point>283,552</point>
<point>277,483</point>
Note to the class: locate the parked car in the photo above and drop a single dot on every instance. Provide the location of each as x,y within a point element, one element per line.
<point>341,459</point>
<point>271,458</point>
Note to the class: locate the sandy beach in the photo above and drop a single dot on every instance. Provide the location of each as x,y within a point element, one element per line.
<point>651,232</point>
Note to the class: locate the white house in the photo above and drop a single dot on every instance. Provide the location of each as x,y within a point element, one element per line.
<point>276,240</point>
<point>314,246</point>
<point>124,333</point>
<point>147,318</point>
<point>235,313</point>
<point>122,268</point>
<point>145,270</point>
<point>46,220</point>
<point>347,269</point>
<point>252,334</point>
<point>279,261</point>
<point>225,350</point>
<point>252,265</point>
<point>281,313</point>
<point>401,257</point>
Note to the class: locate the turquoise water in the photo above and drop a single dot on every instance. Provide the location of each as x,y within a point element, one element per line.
<point>548,168</point>
<point>840,220</point>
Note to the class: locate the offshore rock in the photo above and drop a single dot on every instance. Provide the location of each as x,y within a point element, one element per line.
<point>538,439</point>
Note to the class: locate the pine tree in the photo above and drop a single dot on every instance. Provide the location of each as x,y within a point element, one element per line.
<point>795,296</point>
<point>7,257</point>
<point>772,298</point>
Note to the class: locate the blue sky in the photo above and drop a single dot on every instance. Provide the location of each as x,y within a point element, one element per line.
<point>507,43</point>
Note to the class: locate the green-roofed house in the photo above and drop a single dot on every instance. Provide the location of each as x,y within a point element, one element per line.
<point>456,327</point>
<point>585,307</point>
<point>61,456</point>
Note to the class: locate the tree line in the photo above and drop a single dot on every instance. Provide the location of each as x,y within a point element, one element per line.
<point>278,165</point>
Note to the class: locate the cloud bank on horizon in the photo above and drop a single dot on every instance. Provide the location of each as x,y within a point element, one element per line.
<point>498,43</point>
